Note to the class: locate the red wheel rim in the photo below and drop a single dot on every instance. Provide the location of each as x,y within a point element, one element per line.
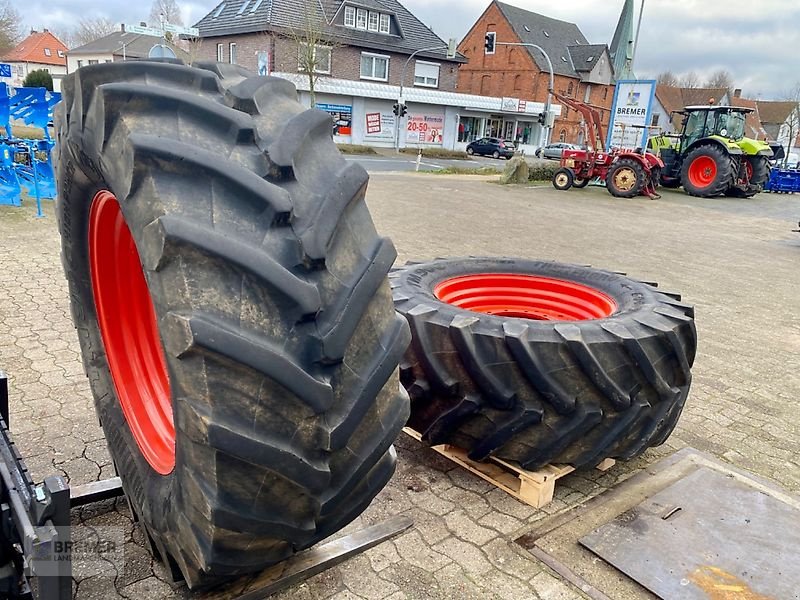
<point>129,329</point>
<point>526,297</point>
<point>702,171</point>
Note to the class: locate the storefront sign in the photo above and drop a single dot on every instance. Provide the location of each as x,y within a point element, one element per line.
<point>509,105</point>
<point>342,116</point>
<point>425,129</point>
<point>630,114</point>
<point>522,106</point>
<point>380,125</point>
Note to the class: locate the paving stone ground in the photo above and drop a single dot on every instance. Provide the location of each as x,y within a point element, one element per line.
<point>735,260</point>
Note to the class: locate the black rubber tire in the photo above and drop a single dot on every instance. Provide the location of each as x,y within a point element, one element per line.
<point>470,151</point>
<point>580,183</point>
<point>540,392</point>
<point>638,171</point>
<point>726,170</point>
<point>495,154</point>
<point>563,179</point>
<point>760,167</point>
<point>274,311</point>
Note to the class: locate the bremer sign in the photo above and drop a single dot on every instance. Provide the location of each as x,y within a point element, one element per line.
<point>630,115</point>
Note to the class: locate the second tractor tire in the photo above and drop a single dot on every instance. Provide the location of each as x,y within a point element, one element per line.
<point>708,171</point>
<point>541,362</point>
<point>626,178</point>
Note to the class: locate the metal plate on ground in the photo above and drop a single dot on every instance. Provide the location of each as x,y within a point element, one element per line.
<point>555,540</point>
<point>709,535</point>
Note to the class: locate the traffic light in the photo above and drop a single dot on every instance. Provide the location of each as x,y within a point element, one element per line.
<point>489,43</point>
<point>403,110</point>
<point>396,109</point>
<point>399,109</point>
<point>542,118</point>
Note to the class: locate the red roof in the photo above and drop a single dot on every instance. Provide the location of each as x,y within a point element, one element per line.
<point>753,119</point>
<point>39,47</point>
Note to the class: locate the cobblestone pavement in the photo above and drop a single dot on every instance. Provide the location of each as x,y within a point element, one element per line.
<point>735,260</point>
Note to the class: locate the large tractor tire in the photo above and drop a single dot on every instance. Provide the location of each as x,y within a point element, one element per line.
<point>230,295</point>
<point>626,178</point>
<point>540,362</point>
<point>707,171</point>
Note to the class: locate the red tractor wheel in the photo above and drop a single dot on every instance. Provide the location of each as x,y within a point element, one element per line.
<point>626,178</point>
<point>707,171</point>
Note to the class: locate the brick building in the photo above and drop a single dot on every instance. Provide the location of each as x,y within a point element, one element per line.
<point>583,71</point>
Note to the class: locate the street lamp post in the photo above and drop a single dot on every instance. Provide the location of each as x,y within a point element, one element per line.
<point>547,104</point>
<point>401,100</point>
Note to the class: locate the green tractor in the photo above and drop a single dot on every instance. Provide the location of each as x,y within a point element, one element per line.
<point>712,157</point>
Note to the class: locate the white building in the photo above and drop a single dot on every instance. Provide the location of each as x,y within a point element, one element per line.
<point>39,51</point>
<point>114,47</point>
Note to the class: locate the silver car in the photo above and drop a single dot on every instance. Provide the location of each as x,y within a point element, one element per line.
<point>554,150</point>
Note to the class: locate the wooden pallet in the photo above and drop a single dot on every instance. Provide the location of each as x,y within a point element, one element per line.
<point>535,488</point>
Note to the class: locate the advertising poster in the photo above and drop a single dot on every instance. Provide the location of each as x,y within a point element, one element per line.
<point>425,129</point>
<point>630,114</point>
<point>342,116</point>
<point>380,125</point>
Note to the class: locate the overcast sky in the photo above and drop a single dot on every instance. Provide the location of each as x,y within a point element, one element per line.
<point>758,41</point>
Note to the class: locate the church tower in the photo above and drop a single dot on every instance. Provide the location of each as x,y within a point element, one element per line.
<point>621,49</point>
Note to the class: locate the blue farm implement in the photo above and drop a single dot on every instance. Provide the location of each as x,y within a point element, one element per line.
<point>783,181</point>
<point>25,165</point>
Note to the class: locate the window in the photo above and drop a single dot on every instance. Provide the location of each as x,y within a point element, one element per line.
<point>569,89</point>
<point>319,58</point>
<point>373,21</point>
<point>255,6</point>
<point>361,18</point>
<point>588,93</point>
<point>426,74</point>
<point>349,16</point>
<point>374,66</point>
<point>232,51</point>
<point>385,24</point>
<point>563,135</point>
<point>243,7</point>
<point>47,52</point>
<point>517,83</point>
<point>654,122</point>
<point>605,93</point>
<point>60,54</point>
<point>220,53</point>
<point>93,62</point>
<point>219,10</point>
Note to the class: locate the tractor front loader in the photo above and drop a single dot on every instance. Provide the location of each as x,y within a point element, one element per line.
<point>711,156</point>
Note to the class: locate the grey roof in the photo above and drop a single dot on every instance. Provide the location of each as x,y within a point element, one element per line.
<point>136,45</point>
<point>552,35</point>
<point>284,15</point>
<point>584,58</point>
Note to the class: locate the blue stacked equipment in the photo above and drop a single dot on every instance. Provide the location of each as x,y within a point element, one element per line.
<point>783,181</point>
<point>26,164</point>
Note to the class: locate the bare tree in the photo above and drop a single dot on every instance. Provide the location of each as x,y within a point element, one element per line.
<point>667,78</point>
<point>314,45</point>
<point>792,124</point>
<point>690,80</point>
<point>10,26</point>
<point>90,29</point>
<point>166,9</point>
<point>721,79</point>
<point>193,46</point>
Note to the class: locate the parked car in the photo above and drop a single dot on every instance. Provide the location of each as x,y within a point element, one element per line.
<point>490,146</point>
<point>554,150</point>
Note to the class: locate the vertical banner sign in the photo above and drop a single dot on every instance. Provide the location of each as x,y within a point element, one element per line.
<point>425,129</point>
<point>630,114</point>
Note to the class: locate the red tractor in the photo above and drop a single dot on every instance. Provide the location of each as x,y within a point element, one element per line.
<point>627,173</point>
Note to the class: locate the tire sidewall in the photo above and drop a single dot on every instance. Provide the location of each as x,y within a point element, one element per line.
<point>84,179</point>
<point>718,184</point>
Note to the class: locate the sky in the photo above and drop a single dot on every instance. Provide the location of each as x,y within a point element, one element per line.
<point>758,41</point>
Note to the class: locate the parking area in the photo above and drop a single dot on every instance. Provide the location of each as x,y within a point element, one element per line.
<point>735,260</point>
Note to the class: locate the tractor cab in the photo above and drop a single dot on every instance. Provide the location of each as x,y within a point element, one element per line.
<point>706,121</point>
